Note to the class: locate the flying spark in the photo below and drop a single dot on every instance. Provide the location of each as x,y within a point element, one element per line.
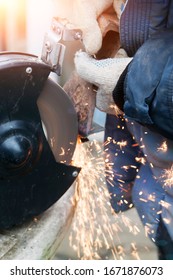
<point>168,177</point>
<point>95,226</point>
<point>163,147</point>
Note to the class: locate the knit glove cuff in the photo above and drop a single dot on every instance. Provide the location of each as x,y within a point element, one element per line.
<point>104,74</point>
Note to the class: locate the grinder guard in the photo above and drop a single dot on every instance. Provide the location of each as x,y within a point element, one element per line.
<point>34,171</point>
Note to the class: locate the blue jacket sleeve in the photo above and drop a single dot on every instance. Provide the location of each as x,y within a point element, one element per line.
<point>148,84</point>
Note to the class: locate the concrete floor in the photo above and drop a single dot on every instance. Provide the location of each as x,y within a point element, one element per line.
<point>129,242</point>
<point>129,246</point>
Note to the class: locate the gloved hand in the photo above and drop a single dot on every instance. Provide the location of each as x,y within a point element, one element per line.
<point>104,74</point>
<point>84,14</point>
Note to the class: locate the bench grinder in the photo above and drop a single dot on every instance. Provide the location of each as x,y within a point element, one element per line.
<point>38,130</point>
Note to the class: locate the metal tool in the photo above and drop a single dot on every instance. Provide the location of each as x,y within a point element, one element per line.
<point>38,131</point>
<point>53,48</point>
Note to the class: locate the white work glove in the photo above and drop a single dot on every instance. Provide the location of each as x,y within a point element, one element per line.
<point>104,74</point>
<point>83,14</point>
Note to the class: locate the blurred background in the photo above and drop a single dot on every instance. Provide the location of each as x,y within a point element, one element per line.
<point>23,23</point>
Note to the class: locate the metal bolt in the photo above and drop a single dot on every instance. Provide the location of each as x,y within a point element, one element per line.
<point>48,46</point>
<point>75,174</point>
<point>78,36</point>
<point>29,70</point>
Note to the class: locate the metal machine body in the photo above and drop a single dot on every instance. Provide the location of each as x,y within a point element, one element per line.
<point>38,134</point>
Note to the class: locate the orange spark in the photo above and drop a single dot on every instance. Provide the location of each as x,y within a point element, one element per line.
<point>168,177</point>
<point>95,225</point>
<point>163,147</point>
